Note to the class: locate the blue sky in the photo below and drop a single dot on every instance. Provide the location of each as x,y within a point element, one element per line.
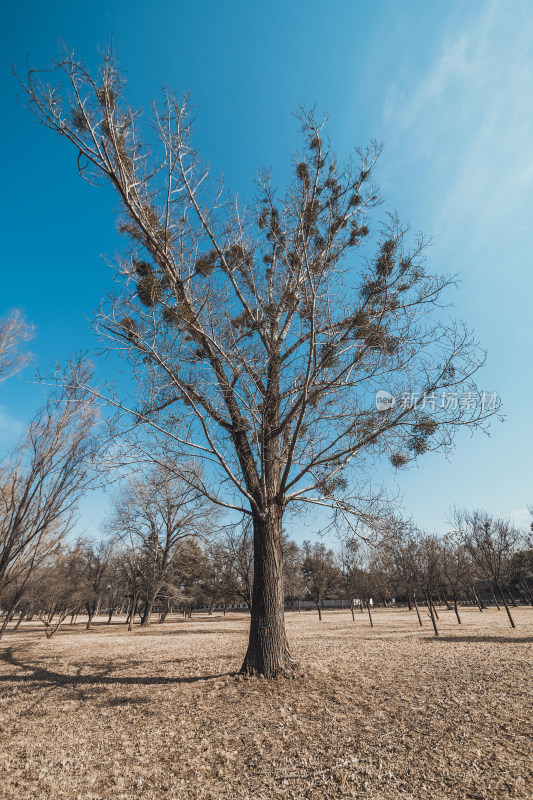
<point>446,86</point>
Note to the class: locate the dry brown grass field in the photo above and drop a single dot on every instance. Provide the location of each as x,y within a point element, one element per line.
<point>161,714</point>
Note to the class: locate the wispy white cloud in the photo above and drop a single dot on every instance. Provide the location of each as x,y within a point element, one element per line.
<point>459,134</point>
<point>469,119</point>
<point>405,106</point>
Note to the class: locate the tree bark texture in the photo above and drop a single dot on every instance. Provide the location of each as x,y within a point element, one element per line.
<point>268,650</point>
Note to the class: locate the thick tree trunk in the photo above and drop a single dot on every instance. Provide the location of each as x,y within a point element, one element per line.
<point>500,590</point>
<point>131,617</point>
<point>268,650</point>
<point>165,611</point>
<point>21,617</point>
<point>319,611</point>
<point>417,611</point>
<point>369,614</point>
<point>455,608</point>
<point>147,613</point>
<point>9,616</point>
<point>432,614</point>
<point>91,611</point>
<point>352,610</point>
<point>511,598</point>
<point>476,599</point>
<point>5,623</point>
<point>110,617</point>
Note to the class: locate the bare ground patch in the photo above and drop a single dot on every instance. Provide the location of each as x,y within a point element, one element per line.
<point>161,713</point>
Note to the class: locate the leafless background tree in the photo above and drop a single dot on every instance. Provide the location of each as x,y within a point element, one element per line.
<point>43,480</point>
<point>320,573</point>
<point>360,577</point>
<point>239,546</point>
<point>491,543</point>
<point>152,517</point>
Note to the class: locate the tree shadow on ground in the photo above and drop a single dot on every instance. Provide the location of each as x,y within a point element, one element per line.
<point>152,630</point>
<point>156,629</point>
<point>119,702</point>
<point>493,639</point>
<point>43,675</point>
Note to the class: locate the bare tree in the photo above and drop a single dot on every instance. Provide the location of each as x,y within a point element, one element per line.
<point>377,564</point>
<point>94,565</point>
<point>187,574</point>
<point>14,331</point>
<point>404,564</point>
<point>257,336</point>
<point>321,574</point>
<point>151,517</point>
<point>360,577</point>
<point>219,580</point>
<point>239,546</point>
<point>44,479</point>
<point>345,561</point>
<point>293,580</point>
<point>491,543</point>
<point>521,568</point>
<point>58,590</point>
<point>116,589</point>
<point>457,569</point>
<point>428,555</point>
<point>18,583</point>
<point>131,571</point>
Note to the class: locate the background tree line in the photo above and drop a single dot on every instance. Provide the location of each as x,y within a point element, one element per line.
<point>165,551</point>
